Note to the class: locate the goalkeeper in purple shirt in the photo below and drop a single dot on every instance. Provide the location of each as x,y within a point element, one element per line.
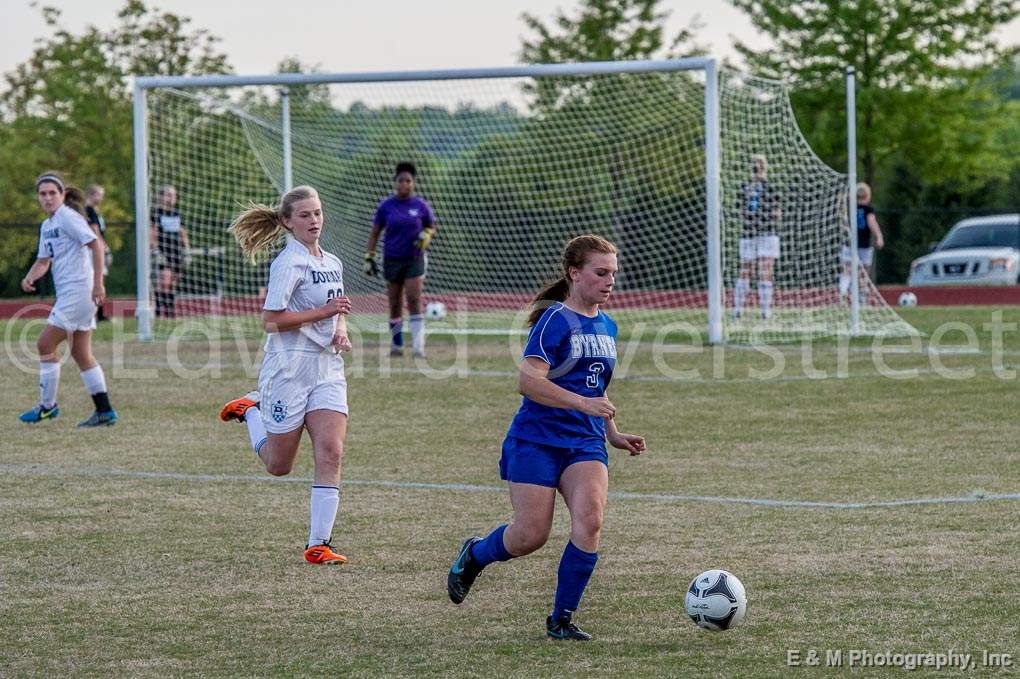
<point>409,224</point>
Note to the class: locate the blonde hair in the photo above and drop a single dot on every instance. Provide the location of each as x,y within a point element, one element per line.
<point>575,255</point>
<point>761,159</point>
<point>863,192</point>
<point>259,226</point>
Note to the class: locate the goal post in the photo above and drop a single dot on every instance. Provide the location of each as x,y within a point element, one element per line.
<point>514,160</point>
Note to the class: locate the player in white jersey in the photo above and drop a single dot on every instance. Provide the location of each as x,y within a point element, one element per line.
<point>301,383</point>
<point>70,247</point>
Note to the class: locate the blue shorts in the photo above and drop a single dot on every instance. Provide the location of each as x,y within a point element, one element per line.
<point>526,462</point>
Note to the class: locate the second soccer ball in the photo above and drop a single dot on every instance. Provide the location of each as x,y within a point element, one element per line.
<point>435,310</point>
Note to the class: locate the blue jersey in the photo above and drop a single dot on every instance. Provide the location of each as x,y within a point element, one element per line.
<point>863,230</point>
<point>581,353</point>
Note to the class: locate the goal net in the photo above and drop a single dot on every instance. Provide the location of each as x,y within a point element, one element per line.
<point>515,163</point>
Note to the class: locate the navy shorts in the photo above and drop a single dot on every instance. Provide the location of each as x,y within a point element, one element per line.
<point>398,270</point>
<point>526,462</point>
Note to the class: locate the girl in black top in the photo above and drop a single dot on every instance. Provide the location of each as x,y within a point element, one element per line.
<point>169,243</point>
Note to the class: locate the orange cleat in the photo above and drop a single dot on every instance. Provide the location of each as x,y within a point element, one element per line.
<point>324,554</point>
<point>236,409</point>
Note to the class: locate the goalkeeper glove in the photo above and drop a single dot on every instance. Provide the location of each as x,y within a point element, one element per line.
<point>424,239</point>
<point>370,267</point>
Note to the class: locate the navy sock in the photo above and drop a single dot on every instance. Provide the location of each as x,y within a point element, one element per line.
<point>491,549</point>
<point>575,570</point>
<point>397,331</point>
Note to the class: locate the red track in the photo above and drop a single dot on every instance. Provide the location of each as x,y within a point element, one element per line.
<point>663,299</point>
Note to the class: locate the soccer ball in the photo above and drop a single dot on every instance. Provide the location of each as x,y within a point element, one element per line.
<point>716,600</point>
<point>907,299</point>
<point>435,310</point>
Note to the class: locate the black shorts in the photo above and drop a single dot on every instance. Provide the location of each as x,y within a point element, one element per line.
<point>171,256</point>
<point>399,270</point>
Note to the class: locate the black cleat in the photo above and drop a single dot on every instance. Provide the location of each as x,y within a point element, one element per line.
<point>563,628</point>
<point>463,572</point>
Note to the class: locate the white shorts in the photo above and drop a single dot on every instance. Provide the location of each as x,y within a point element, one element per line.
<point>866,255</point>
<point>74,311</point>
<point>292,383</point>
<point>759,246</point>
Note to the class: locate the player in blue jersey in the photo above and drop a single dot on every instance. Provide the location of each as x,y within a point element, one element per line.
<point>409,224</point>
<point>557,440</point>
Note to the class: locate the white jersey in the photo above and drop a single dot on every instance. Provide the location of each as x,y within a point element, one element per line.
<point>299,282</point>
<point>63,239</point>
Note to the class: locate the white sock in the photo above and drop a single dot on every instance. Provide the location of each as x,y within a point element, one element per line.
<point>95,381</point>
<point>256,428</point>
<point>324,503</point>
<point>765,296</point>
<point>49,380</point>
<point>739,292</point>
<point>844,284</point>
<point>417,322</point>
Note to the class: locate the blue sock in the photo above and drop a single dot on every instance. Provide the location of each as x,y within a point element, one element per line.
<point>575,570</point>
<point>397,331</point>
<point>491,548</point>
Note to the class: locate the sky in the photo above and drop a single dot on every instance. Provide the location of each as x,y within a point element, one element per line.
<point>361,35</point>
<point>371,35</point>
<point>365,35</point>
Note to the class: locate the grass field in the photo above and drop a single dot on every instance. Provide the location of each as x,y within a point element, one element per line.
<point>862,508</point>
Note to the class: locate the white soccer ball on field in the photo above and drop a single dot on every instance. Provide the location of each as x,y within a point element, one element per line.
<point>435,310</point>
<point>907,299</point>
<point>716,600</point>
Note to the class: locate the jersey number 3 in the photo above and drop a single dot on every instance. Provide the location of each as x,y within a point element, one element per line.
<point>595,369</point>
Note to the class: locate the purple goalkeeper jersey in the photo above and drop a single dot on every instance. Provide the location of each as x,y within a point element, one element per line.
<point>402,220</point>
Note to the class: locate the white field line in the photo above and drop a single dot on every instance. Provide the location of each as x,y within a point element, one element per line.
<point>355,371</point>
<point>36,470</point>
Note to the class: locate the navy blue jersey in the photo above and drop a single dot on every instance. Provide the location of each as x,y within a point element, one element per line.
<point>863,232</point>
<point>758,203</point>
<point>581,353</point>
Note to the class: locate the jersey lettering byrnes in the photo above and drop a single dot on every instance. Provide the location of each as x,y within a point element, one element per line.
<point>402,219</point>
<point>299,282</point>
<point>863,231</point>
<point>63,239</point>
<point>581,353</point>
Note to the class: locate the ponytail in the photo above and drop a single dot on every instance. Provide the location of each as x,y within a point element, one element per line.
<point>75,199</point>
<point>556,291</point>
<point>256,229</point>
<point>260,226</point>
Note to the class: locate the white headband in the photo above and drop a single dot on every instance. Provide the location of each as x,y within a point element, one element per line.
<point>49,178</point>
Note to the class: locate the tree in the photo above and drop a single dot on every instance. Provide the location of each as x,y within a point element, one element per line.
<point>614,137</point>
<point>603,30</point>
<point>920,67</point>
<point>68,107</point>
